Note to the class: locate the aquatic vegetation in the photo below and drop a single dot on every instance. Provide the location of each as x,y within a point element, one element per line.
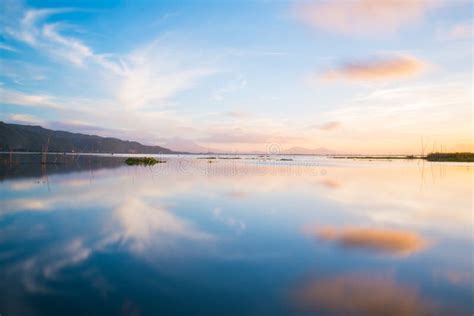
<point>378,157</point>
<point>453,157</point>
<point>147,161</point>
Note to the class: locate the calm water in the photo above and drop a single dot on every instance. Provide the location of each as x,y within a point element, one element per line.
<point>236,237</point>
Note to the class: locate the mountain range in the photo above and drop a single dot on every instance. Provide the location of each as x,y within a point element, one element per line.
<point>32,138</point>
<point>16,137</point>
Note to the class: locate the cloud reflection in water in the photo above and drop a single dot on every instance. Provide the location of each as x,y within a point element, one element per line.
<point>398,242</point>
<point>355,294</point>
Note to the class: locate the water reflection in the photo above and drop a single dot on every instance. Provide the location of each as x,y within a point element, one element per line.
<point>175,239</point>
<point>392,241</point>
<point>362,295</point>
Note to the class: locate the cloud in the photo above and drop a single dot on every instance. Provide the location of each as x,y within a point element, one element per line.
<point>377,69</point>
<point>459,31</point>
<point>25,119</point>
<point>69,49</point>
<point>232,86</point>
<point>7,48</point>
<point>32,32</point>
<point>154,73</point>
<point>328,126</point>
<point>363,17</point>
<point>145,78</point>
<point>237,114</point>
<point>25,99</point>
<point>22,73</point>
<point>360,294</point>
<point>397,242</point>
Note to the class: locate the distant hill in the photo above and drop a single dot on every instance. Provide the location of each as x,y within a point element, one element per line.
<point>16,137</point>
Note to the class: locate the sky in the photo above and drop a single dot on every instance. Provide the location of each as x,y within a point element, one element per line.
<point>367,76</point>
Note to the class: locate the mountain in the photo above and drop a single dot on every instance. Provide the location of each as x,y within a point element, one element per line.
<point>16,137</point>
<point>307,151</point>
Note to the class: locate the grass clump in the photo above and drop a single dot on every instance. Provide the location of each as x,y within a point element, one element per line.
<point>452,157</point>
<point>146,161</point>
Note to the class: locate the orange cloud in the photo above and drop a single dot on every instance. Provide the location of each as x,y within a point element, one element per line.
<point>379,69</point>
<point>363,17</point>
<point>383,240</point>
<point>361,295</point>
<point>329,126</point>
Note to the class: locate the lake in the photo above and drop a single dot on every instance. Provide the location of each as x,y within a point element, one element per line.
<point>248,236</point>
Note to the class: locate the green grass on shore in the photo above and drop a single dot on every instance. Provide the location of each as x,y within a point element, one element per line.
<point>448,157</point>
<point>454,157</point>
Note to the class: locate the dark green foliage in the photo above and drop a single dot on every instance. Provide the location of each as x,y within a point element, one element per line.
<point>146,161</point>
<point>378,157</point>
<point>15,137</point>
<point>456,157</point>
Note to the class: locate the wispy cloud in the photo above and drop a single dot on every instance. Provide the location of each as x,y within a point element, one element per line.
<point>154,73</point>
<point>7,48</point>
<point>25,119</point>
<point>328,126</point>
<point>234,85</point>
<point>22,73</point>
<point>363,17</point>
<point>67,48</point>
<point>34,30</point>
<point>24,99</point>
<point>459,31</point>
<point>144,79</point>
<point>387,68</point>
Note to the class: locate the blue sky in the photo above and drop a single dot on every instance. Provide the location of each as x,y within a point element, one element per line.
<point>363,76</point>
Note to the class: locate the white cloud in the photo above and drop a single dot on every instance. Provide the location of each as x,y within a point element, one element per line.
<point>232,86</point>
<point>25,118</point>
<point>152,75</point>
<point>7,48</point>
<point>66,48</point>
<point>459,31</point>
<point>8,96</point>
<point>364,17</point>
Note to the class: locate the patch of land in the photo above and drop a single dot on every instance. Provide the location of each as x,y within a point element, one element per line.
<point>454,157</point>
<point>440,157</point>
<point>146,161</point>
